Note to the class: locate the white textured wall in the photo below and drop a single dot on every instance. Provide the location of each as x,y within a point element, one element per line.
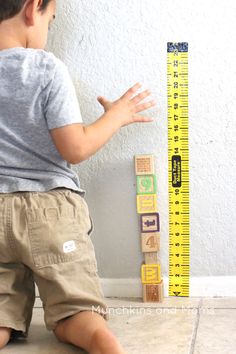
<point>110,45</point>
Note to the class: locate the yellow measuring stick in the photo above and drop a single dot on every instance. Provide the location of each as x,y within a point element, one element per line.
<point>178,169</point>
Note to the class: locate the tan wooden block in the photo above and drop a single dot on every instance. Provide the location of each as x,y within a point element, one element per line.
<point>150,242</point>
<point>153,292</point>
<point>151,273</point>
<point>144,164</point>
<point>146,203</point>
<point>151,257</point>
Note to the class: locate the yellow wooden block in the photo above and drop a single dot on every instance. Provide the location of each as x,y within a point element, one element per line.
<point>151,257</point>
<point>150,273</point>
<point>144,164</point>
<point>150,242</point>
<point>146,203</point>
<point>153,292</point>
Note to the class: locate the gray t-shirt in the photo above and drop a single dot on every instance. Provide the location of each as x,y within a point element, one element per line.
<point>36,95</point>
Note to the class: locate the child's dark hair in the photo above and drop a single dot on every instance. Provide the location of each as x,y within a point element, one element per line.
<point>10,8</point>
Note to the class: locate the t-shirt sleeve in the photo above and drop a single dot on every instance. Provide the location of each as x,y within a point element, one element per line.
<point>61,104</point>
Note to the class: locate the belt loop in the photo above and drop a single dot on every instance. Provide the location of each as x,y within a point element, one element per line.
<point>30,212</point>
<point>31,216</point>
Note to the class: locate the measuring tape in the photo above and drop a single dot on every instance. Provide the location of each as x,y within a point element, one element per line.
<point>178,169</point>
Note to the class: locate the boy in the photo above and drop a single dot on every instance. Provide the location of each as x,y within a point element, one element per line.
<point>44,218</point>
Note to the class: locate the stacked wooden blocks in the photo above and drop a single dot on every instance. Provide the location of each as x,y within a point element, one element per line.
<point>152,281</point>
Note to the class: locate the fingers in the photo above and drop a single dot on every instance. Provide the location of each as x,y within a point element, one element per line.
<point>141,96</point>
<point>102,100</point>
<point>143,106</point>
<point>135,100</point>
<point>128,94</point>
<point>142,119</point>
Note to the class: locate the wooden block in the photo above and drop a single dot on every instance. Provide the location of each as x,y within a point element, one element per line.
<point>144,164</point>
<point>150,222</point>
<point>146,203</point>
<point>151,257</point>
<point>146,184</point>
<point>153,292</point>
<point>150,273</point>
<point>150,242</point>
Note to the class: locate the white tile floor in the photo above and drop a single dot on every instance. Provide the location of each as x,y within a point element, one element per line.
<point>175,326</point>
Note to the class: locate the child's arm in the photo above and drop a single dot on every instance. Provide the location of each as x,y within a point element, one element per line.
<point>77,142</point>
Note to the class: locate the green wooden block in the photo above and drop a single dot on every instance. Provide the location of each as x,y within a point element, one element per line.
<point>146,184</point>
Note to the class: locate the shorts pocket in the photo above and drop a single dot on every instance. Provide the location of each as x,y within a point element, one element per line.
<point>55,240</point>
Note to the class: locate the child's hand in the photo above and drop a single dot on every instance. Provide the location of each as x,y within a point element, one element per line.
<point>125,108</point>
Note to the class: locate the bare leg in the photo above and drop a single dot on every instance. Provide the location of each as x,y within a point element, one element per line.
<point>5,334</point>
<point>89,331</point>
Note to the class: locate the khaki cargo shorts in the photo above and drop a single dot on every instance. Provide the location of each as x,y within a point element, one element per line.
<point>45,239</point>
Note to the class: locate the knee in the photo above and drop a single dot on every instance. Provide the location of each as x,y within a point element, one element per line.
<point>59,332</point>
<point>5,334</point>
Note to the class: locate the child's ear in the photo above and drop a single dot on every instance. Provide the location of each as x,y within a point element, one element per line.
<point>31,10</point>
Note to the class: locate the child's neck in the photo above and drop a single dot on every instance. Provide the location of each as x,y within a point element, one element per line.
<point>10,44</point>
<point>9,38</point>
